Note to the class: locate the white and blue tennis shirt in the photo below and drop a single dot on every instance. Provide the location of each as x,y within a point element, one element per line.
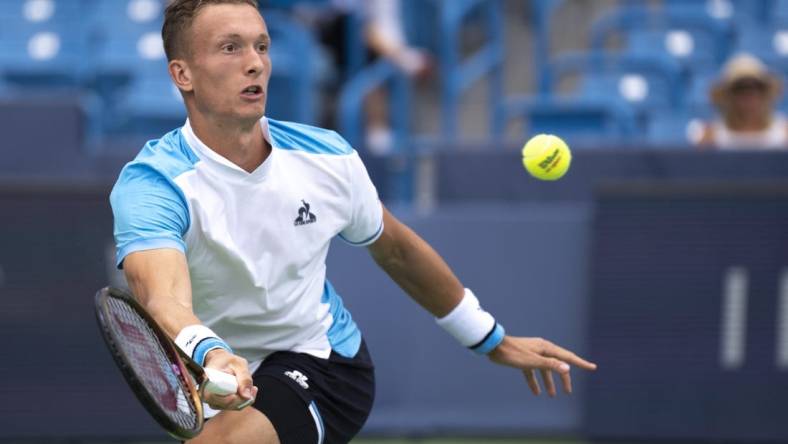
<point>256,243</point>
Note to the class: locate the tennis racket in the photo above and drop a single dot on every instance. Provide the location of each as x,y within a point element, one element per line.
<point>168,383</point>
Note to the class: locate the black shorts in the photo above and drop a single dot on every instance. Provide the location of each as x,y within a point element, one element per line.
<point>311,400</point>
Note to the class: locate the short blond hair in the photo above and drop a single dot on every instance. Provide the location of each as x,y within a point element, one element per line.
<point>178,18</point>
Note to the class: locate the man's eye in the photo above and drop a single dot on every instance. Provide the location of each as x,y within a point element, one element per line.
<point>228,48</point>
<point>262,47</point>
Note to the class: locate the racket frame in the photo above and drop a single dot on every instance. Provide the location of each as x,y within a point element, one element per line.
<point>173,353</point>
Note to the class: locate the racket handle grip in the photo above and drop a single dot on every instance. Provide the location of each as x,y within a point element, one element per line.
<point>220,383</point>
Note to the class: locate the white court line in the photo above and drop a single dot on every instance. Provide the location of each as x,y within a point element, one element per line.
<point>782,322</point>
<point>733,325</point>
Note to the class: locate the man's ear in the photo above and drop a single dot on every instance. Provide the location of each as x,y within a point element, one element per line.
<point>181,75</point>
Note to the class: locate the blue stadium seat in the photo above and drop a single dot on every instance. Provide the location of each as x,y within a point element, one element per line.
<point>780,9</point>
<point>43,43</point>
<point>698,99</point>
<point>671,129</point>
<point>295,69</point>
<point>43,11</point>
<point>769,43</point>
<point>150,106</point>
<point>577,119</point>
<point>693,38</point>
<point>694,50</point>
<point>126,34</point>
<point>642,84</point>
<point>725,10</point>
<point>642,81</point>
<point>131,68</point>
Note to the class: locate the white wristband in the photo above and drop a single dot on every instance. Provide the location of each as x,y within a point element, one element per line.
<point>197,340</point>
<point>471,326</point>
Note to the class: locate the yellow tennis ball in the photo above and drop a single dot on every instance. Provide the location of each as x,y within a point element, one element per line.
<point>546,157</point>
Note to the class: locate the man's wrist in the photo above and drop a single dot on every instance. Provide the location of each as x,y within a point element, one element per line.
<point>197,341</point>
<point>491,341</point>
<point>213,354</point>
<point>500,349</point>
<point>471,326</point>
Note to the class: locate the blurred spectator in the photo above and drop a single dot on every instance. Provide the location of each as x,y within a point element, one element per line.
<point>745,96</point>
<point>384,36</point>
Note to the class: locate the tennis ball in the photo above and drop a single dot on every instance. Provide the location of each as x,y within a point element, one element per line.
<point>546,157</point>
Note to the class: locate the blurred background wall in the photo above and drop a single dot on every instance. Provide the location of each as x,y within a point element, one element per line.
<point>665,262</point>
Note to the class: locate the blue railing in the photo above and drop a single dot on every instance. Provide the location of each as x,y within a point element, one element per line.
<point>351,102</point>
<point>541,13</point>
<point>458,75</point>
<point>352,121</point>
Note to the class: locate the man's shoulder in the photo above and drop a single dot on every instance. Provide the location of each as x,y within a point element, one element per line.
<point>167,157</point>
<point>307,138</point>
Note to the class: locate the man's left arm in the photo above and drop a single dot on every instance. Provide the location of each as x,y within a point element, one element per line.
<point>420,271</point>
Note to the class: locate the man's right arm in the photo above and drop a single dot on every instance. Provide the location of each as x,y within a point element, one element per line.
<point>159,280</point>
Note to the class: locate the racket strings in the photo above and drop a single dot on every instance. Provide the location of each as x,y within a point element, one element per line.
<point>154,368</point>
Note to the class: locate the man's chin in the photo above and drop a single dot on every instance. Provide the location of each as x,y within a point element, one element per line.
<point>251,116</point>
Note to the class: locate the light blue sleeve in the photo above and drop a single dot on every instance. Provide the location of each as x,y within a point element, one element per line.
<point>150,212</point>
<point>366,215</point>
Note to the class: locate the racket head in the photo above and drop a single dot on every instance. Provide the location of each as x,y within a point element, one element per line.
<point>150,363</point>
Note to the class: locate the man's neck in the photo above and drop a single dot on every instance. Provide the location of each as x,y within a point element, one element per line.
<point>241,144</point>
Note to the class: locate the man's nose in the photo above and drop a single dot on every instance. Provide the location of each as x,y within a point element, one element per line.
<point>255,64</point>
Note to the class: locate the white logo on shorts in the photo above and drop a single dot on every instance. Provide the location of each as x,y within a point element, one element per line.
<point>298,377</point>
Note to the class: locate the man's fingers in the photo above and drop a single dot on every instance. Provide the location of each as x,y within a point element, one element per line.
<point>249,401</point>
<point>228,402</point>
<point>565,355</point>
<point>553,364</point>
<point>547,377</point>
<point>219,402</point>
<point>566,378</point>
<point>245,387</point>
<point>240,369</point>
<point>530,376</point>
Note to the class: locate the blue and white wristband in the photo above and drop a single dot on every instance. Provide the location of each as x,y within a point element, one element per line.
<point>471,326</point>
<point>197,340</point>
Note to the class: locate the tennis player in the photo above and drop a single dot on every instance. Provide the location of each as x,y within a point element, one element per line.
<point>222,228</point>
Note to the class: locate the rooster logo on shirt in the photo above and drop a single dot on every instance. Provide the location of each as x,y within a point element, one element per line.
<point>304,215</point>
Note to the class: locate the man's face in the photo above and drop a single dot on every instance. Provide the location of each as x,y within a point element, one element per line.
<point>229,62</point>
<point>749,96</point>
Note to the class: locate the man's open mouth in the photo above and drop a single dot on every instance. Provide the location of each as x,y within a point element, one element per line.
<point>252,90</point>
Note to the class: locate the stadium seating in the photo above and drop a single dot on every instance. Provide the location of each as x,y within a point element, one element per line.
<point>578,120</point>
<point>130,68</point>
<point>659,76</point>
<point>672,130</point>
<point>780,9</point>
<point>770,43</point>
<point>697,98</point>
<point>292,92</point>
<point>113,49</point>
<point>126,37</point>
<point>644,84</point>
<point>726,10</point>
<point>694,39</point>
<point>42,44</point>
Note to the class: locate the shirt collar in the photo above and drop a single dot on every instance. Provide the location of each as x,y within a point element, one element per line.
<point>206,153</point>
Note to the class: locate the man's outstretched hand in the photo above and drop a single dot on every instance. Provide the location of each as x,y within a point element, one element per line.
<point>532,354</point>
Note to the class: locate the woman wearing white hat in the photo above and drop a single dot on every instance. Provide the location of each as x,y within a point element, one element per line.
<point>745,96</point>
